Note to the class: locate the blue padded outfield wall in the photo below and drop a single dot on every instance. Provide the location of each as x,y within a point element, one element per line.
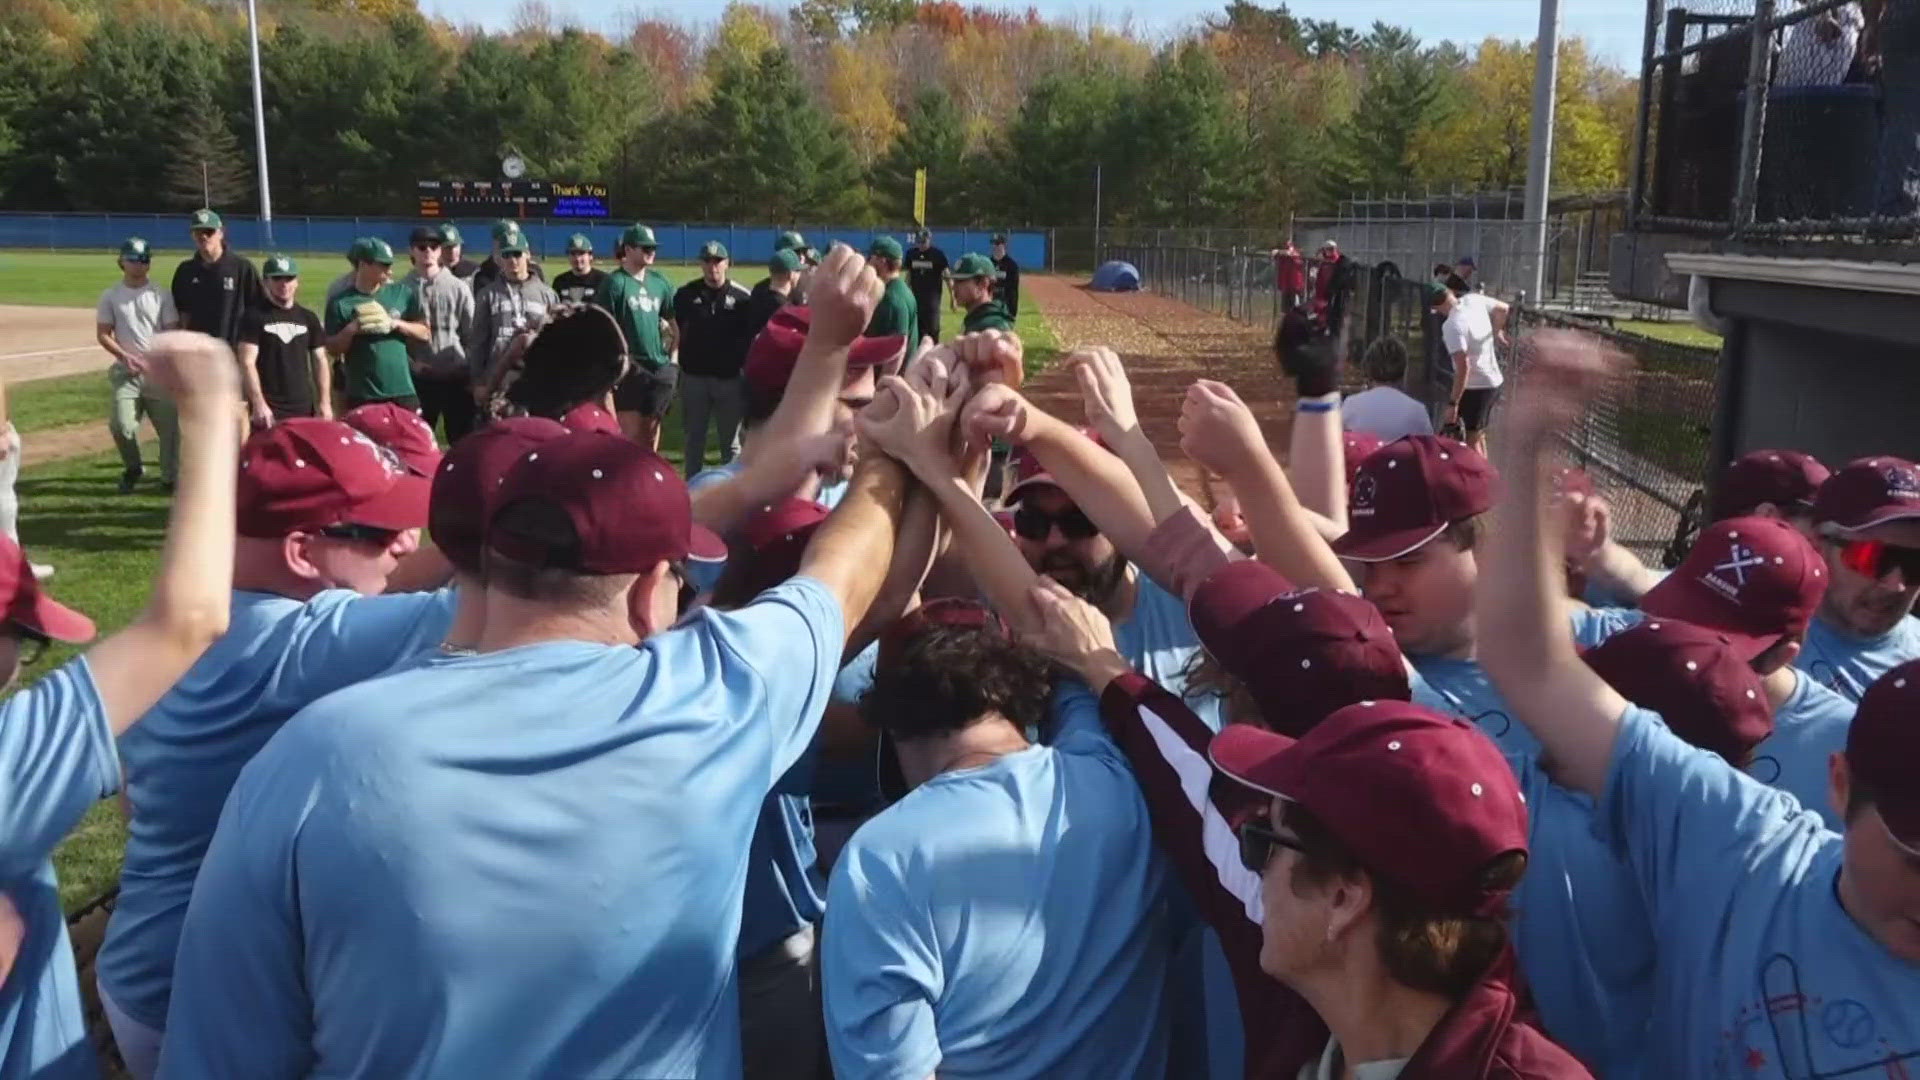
<point>748,244</point>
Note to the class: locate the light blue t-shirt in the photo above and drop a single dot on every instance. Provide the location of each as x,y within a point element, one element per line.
<point>278,656</point>
<point>704,574</point>
<point>1157,639</point>
<point>1763,975</point>
<point>1003,921</point>
<point>1808,729</point>
<point>56,760</point>
<point>519,863</point>
<point>1847,664</point>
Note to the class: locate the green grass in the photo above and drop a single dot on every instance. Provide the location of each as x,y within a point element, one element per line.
<point>1680,333</point>
<point>57,402</point>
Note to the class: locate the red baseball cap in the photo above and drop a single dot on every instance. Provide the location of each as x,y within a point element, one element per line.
<point>1408,492</point>
<point>469,476</point>
<point>590,416</point>
<point>28,607</point>
<point>1028,473</point>
<point>1785,478</point>
<point>309,474</point>
<point>1753,579</point>
<point>1423,799</point>
<point>1302,653</point>
<point>769,545</point>
<point>771,357</point>
<point>1356,446</point>
<point>1883,750</point>
<point>948,612</point>
<point>1694,678</point>
<point>400,430</point>
<point>628,507</point>
<point>1867,492</point>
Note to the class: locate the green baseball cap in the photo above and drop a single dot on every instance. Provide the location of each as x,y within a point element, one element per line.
<point>450,235</point>
<point>973,265</point>
<point>514,243</point>
<point>579,242</point>
<point>1436,293</point>
<point>785,260</point>
<point>279,266</point>
<point>372,249</point>
<point>504,227</point>
<point>135,249</point>
<point>790,241</point>
<point>999,238</point>
<point>203,219</point>
<point>638,236</point>
<point>713,249</point>
<point>886,246</point>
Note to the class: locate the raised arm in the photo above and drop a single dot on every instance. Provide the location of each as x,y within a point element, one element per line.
<point>188,607</point>
<point>1110,412</point>
<point>1317,463</point>
<point>858,536</point>
<point>1520,598</point>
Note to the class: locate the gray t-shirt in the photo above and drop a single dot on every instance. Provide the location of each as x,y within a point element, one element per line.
<point>136,314</point>
<point>1386,412</point>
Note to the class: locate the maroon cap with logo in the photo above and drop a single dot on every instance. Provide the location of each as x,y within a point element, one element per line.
<point>628,507</point>
<point>948,612</point>
<point>773,354</point>
<point>1784,478</point>
<point>400,430</point>
<point>1422,799</point>
<point>1694,678</point>
<point>1357,446</point>
<point>1754,579</point>
<point>310,474</point>
<point>1408,492</point>
<point>1302,653</point>
<point>23,604</point>
<point>469,477</point>
<point>591,416</point>
<point>1883,750</point>
<point>1028,473</point>
<point>769,546</point>
<point>1868,492</point>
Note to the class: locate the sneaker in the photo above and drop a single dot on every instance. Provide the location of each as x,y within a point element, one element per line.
<point>41,571</point>
<point>128,479</point>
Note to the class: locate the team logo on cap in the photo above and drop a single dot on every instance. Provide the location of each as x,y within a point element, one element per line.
<point>387,458</point>
<point>1365,490</point>
<point>1729,577</point>
<point>1901,482</point>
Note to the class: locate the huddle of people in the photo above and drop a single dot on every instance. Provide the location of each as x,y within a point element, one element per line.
<point>1370,794</point>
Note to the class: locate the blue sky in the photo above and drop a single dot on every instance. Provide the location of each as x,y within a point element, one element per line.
<point>1613,27</point>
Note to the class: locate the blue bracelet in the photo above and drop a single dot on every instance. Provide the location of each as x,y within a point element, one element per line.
<point>1318,406</point>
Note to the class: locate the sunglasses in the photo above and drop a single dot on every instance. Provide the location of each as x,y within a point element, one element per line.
<point>689,592</point>
<point>1257,843</point>
<point>1033,523</point>
<point>1877,558</point>
<point>360,533</point>
<point>426,245</point>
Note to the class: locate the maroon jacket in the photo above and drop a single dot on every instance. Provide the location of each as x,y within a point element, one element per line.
<point>1480,1038</point>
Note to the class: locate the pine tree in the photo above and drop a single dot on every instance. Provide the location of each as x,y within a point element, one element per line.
<point>209,168</point>
<point>934,141</point>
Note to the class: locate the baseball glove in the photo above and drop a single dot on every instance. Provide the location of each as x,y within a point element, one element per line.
<point>575,358</point>
<point>372,318</point>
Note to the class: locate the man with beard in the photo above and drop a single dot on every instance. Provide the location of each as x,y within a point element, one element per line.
<point>1866,522</point>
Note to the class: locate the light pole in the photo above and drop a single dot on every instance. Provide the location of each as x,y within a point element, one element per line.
<point>259,125</point>
<point>1546,64</point>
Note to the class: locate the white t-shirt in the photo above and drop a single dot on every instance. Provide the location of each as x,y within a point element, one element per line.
<point>136,314</point>
<point>1805,60</point>
<point>1386,412</point>
<point>1470,330</point>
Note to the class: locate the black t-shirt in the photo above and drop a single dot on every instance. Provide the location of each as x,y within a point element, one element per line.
<point>489,272</point>
<point>212,297</point>
<point>761,305</point>
<point>287,338</point>
<point>465,268</point>
<point>1007,287</point>
<point>578,288</point>
<point>713,328</point>
<point>926,273</point>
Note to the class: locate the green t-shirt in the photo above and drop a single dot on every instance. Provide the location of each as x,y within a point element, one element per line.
<point>897,315</point>
<point>638,305</point>
<point>377,366</point>
<point>991,315</point>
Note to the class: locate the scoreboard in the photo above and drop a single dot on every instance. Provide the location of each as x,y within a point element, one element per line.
<point>513,199</point>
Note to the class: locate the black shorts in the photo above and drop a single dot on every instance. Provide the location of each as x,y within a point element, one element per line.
<point>1476,405</point>
<point>649,393</point>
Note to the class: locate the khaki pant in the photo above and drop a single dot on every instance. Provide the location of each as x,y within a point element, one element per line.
<point>131,401</point>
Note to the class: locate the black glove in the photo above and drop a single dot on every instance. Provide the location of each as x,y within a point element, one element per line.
<point>1307,358</point>
<point>575,358</point>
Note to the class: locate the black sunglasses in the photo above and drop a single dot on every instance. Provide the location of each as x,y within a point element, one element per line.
<point>1033,523</point>
<point>1877,558</point>
<point>1257,843</point>
<point>689,592</point>
<point>367,533</point>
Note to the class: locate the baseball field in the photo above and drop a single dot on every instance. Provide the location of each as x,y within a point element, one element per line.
<point>104,545</point>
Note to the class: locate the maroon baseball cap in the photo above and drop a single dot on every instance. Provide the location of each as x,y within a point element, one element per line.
<point>1883,750</point>
<point>25,605</point>
<point>1694,678</point>
<point>769,545</point>
<point>1785,478</point>
<point>771,357</point>
<point>309,474</point>
<point>1754,579</point>
<point>1357,446</point>
<point>1408,492</point>
<point>948,612</point>
<point>1028,473</point>
<point>1423,799</point>
<point>1302,653</point>
<point>400,430</point>
<point>469,476</point>
<point>628,507</point>
<point>591,416</point>
<point>1867,492</point>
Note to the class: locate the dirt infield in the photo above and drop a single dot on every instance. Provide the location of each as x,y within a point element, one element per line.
<point>42,342</point>
<point>1166,345</point>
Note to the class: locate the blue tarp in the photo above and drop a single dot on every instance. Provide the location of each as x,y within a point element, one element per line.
<point>1116,276</point>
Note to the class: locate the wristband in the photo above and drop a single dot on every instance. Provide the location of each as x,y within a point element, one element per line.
<point>1317,406</point>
